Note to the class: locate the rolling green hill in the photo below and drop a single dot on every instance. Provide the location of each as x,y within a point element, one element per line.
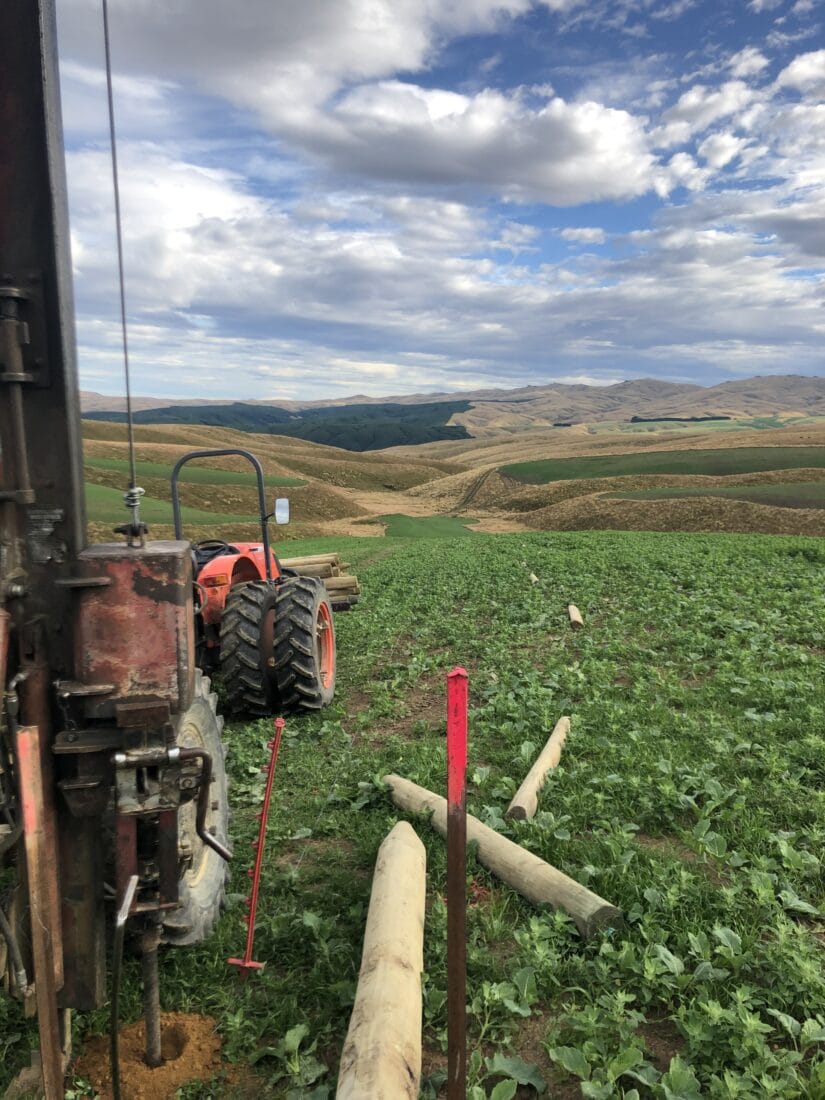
<point>719,463</point>
<point>105,505</point>
<point>201,475</point>
<point>352,427</point>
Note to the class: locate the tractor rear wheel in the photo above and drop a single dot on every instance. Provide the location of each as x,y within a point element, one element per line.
<point>247,640</point>
<point>304,647</point>
<point>203,872</point>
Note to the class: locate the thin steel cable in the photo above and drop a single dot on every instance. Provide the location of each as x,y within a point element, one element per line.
<point>113,143</point>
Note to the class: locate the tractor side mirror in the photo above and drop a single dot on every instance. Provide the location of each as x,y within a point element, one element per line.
<point>281,512</point>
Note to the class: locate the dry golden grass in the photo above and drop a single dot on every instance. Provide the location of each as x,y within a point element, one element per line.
<point>344,490</point>
<point>529,446</point>
<point>596,512</point>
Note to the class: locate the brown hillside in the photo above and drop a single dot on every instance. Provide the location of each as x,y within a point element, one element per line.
<point>499,411</point>
<point>697,514</point>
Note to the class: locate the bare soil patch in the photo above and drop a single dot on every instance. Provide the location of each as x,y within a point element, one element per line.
<point>190,1046</point>
<point>662,1040</point>
<point>669,846</point>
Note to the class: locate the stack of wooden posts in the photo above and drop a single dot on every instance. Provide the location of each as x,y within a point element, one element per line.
<point>343,587</point>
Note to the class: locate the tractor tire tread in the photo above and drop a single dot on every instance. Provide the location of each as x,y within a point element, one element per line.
<point>294,648</point>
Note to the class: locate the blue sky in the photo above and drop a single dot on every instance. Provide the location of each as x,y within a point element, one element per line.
<point>393,196</point>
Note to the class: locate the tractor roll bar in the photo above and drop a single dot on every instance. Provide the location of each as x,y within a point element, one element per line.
<point>261,494</point>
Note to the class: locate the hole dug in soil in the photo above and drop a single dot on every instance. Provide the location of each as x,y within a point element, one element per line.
<point>191,1051</point>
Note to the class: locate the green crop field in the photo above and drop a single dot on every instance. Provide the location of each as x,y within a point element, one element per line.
<point>690,794</point>
<point>423,527</point>
<point>105,505</point>
<point>194,472</point>
<point>798,494</point>
<point>733,460</point>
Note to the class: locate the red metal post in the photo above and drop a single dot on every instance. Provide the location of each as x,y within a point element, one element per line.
<point>456,884</point>
<point>246,964</point>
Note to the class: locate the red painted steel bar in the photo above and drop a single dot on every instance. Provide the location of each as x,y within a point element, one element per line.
<point>456,884</point>
<point>247,963</point>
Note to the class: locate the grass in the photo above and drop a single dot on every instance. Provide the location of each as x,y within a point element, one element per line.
<point>690,794</point>
<point>801,494</point>
<point>425,527</point>
<point>105,505</point>
<point>202,475</point>
<point>734,460</point>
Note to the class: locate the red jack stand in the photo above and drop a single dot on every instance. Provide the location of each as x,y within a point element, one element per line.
<point>247,964</point>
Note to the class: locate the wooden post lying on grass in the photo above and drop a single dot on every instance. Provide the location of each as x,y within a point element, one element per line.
<point>381,1059</point>
<point>526,799</point>
<point>576,620</point>
<point>530,876</point>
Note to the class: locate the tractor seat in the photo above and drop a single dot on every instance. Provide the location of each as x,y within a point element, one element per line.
<point>202,555</point>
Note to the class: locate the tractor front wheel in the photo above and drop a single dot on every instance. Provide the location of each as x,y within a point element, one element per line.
<point>202,871</point>
<point>304,648</point>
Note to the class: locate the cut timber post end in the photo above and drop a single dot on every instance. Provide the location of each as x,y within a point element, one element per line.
<point>526,799</point>
<point>576,620</point>
<point>382,1050</point>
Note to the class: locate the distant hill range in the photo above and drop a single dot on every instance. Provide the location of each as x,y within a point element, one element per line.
<point>362,423</point>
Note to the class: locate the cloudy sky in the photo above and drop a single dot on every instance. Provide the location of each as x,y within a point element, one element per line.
<point>330,197</point>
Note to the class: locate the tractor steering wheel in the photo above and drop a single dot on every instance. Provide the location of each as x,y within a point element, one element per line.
<point>211,544</point>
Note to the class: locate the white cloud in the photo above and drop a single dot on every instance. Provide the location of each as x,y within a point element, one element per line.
<point>748,62</point>
<point>721,148</point>
<point>683,171</point>
<point>700,106</point>
<point>357,247</point>
<point>584,235</point>
<point>523,148</point>
<point>806,73</point>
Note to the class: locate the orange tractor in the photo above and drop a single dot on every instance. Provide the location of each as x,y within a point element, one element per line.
<point>266,629</point>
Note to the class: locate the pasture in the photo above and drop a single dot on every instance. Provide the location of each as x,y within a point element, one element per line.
<point>690,794</point>
<point>713,462</point>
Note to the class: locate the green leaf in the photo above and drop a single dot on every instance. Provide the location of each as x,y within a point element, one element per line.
<point>571,1059</point>
<point>813,1031</point>
<point>504,1090</point>
<point>680,1083</point>
<point>791,1025</point>
<point>715,844</point>
<point>294,1037</point>
<point>673,963</point>
<point>525,982</point>
<point>512,1066</point>
<point>311,920</point>
<point>625,1060</point>
<point>729,938</point>
<point>603,1091</point>
<point>792,900</point>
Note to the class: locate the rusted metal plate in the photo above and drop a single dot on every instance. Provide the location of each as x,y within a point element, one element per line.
<point>137,633</point>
